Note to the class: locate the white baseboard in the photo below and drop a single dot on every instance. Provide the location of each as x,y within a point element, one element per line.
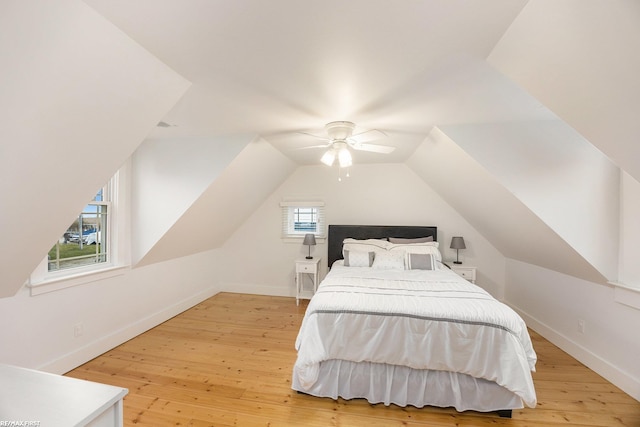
<point>83,354</point>
<point>611,373</point>
<point>243,288</point>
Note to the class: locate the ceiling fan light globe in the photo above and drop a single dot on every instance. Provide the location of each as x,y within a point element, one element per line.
<point>344,158</point>
<point>328,158</point>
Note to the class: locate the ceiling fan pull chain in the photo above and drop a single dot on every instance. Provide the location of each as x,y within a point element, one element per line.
<point>347,174</point>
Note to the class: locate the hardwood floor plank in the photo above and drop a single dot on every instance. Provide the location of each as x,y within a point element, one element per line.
<point>228,362</point>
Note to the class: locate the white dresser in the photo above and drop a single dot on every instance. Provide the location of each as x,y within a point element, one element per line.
<point>37,398</point>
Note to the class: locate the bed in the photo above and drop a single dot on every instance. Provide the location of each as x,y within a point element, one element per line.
<point>399,327</point>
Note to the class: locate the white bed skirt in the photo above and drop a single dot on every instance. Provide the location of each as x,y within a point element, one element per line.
<point>402,386</point>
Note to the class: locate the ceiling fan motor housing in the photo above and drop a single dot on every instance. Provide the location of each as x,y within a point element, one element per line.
<point>339,130</point>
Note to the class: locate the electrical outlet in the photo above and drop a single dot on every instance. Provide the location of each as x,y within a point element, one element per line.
<point>78,329</point>
<point>581,326</point>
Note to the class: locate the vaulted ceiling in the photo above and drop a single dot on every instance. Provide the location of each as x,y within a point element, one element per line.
<point>280,67</point>
<point>275,68</point>
<point>284,68</point>
<point>100,74</point>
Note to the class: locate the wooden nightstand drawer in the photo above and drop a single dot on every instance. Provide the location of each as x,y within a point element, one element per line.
<point>306,268</point>
<point>468,273</point>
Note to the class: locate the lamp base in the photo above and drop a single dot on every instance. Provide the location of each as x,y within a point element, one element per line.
<point>309,257</point>
<point>457,262</point>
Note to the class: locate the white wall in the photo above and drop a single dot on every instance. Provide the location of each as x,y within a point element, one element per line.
<point>546,279</point>
<point>553,303</point>
<point>168,176</point>
<point>38,332</point>
<point>228,200</point>
<point>629,273</point>
<point>257,260</point>
<point>584,67</point>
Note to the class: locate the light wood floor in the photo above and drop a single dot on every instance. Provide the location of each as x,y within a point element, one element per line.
<point>228,362</point>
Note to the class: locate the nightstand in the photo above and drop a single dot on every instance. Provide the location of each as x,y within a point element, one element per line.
<point>309,267</point>
<point>465,271</point>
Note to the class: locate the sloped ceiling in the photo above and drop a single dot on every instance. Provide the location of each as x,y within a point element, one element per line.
<point>225,204</point>
<point>559,176</point>
<point>276,68</point>
<point>584,66</point>
<point>493,210</point>
<point>285,65</point>
<point>168,177</point>
<point>77,97</point>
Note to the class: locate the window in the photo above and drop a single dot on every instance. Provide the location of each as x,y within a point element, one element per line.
<point>86,240</point>
<point>305,220</point>
<point>300,218</point>
<point>94,245</point>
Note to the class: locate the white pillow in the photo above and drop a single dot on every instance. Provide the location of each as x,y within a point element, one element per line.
<point>389,260</point>
<point>367,245</point>
<point>358,258</point>
<point>418,248</point>
<point>413,240</point>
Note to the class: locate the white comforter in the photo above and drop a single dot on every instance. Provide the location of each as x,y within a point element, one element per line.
<point>421,319</point>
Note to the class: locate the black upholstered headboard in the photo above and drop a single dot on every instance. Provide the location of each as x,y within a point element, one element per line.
<point>337,233</point>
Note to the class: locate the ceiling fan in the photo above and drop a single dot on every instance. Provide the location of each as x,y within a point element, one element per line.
<point>340,138</point>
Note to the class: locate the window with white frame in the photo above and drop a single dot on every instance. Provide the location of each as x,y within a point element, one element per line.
<point>86,241</point>
<point>92,247</point>
<point>302,217</point>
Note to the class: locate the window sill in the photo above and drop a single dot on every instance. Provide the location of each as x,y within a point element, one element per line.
<point>298,240</point>
<point>58,283</point>
<point>627,295</point>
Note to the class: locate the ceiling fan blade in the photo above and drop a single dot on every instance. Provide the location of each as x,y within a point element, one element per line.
<point>366,136</point>
<point>382,149</point>
<point>314,146</point>
<point>322,137</point>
